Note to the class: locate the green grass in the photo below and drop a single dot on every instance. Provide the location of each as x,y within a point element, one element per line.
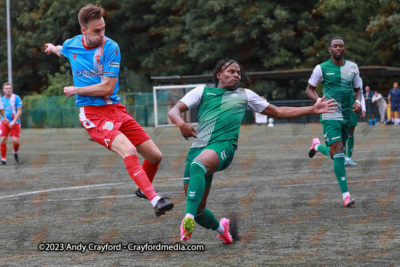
<point>288,208</point>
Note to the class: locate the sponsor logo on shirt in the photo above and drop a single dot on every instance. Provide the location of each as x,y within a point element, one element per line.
<point>211,94</point>
<point>114,64</point>
<point>88,73</point>
<point>330,73</point>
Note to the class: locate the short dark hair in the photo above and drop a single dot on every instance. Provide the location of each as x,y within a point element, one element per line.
<point>89,13</point>
<point>221,64</point>
<point>335,38</point>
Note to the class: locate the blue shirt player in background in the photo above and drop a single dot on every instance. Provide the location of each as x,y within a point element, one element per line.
<point>95,62</point>
<point>11,123</point>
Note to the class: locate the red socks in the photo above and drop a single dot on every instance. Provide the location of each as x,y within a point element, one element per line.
<point>16,146</point>
<point>139,176</point>
<point>150,169</point>
<point>3,149</point>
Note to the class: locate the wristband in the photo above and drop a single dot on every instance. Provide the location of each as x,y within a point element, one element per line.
<point>358,101</point>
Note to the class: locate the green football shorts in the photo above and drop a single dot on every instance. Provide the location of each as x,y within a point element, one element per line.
<point>225,152</point>
<point>335,131</point>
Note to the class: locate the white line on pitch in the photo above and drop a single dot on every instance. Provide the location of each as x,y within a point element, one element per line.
<point>169,192</point>
<point>59,189</point>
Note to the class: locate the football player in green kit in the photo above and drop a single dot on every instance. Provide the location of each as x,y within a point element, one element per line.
<point>221,112</point>
<point>340,78</point>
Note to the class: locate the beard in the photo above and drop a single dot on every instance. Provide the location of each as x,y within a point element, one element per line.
<point>337,57</point>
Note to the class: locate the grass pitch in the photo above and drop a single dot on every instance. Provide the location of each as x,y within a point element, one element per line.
<point>286,208</point>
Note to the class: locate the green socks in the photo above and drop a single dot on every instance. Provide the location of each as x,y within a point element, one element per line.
<point>206,219</point>
<point>324,150</point>
<point>196,187</point>
<point>340,171</point>
<point>350,145</point>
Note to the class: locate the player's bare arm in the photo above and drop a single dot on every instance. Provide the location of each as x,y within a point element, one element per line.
<point>321,106</point>
<point>310,91</point>
<point>3,113</point>
<point>52,49</point>
<point>16,118</point>
<point>358,96</point>
<point>106,87</point>
<point>174,114</point>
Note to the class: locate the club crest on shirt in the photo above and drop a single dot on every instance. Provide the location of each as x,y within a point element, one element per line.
<point>74,56</point>
<point>97,59</point>
<point>108,126</point>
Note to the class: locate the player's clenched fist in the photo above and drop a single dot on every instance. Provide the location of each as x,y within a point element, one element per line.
<point>49,48</point>
<point>69,91</point>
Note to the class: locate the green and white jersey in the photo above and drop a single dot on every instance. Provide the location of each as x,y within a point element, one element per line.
<point>337,83</point>
<point>221,112</point>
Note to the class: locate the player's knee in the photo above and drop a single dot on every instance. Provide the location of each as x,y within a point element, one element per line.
<point>129,151</point>
<point>157,158</point>
<point>202,206</point>
<point>335,149</point>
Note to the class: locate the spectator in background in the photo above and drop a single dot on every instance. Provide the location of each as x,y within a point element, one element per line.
<point>394,102</point>
<point>381,103</point>
<point>260,118</point>
<point>368,98</point>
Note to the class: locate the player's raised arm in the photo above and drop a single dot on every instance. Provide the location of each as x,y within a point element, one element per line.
<point>52,49</point>
<point>321,106</point>
<point>174,114</point>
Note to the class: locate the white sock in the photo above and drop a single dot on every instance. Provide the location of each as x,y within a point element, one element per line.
<point>189,215</point>
<point>316,147</point>
<point>155,200</point>
<point>221,229</point>
<point>346,194</point>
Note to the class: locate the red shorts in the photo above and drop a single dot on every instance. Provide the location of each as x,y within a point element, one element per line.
<point>104,123</point>
<point>14,131</point>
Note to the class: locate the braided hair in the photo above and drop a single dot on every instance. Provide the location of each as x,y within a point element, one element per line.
<point>223,64</point>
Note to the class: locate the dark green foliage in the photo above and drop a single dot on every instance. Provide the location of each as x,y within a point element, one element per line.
<point>189,37</point>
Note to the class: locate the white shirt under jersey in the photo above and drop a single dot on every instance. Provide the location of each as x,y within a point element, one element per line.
<point>254,101</point>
